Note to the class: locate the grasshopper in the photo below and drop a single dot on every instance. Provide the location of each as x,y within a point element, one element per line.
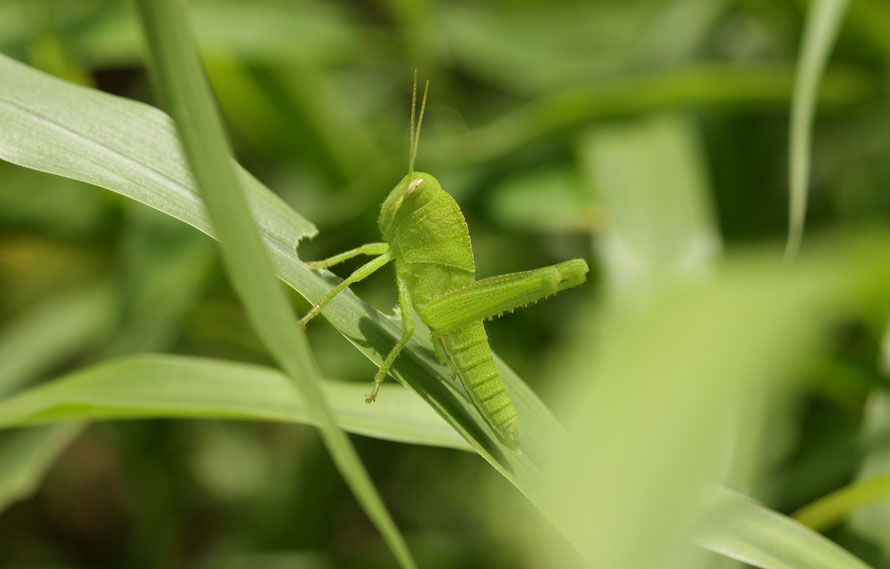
<point>426,235</point>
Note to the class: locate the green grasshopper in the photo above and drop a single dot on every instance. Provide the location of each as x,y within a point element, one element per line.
<point>426,235</point>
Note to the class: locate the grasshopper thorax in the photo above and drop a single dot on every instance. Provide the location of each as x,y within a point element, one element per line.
<point>412,192</point>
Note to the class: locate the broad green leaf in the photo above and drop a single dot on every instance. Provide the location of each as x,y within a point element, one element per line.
<point>823,23</point>
<point>745,530</point>
<point>179,77</point>
<point>51,126</point>
<point>155,386</point>
<point>26,456</point>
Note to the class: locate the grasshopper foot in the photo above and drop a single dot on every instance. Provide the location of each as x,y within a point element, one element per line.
<point>378,379</point>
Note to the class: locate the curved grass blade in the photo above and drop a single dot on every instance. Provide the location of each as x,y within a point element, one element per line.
<point>159,386</point>
<point>745,530</point>
<point>822,26</point>
<point>179,77</point>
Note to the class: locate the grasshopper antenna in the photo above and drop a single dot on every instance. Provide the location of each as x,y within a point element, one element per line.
<point>414,134</point>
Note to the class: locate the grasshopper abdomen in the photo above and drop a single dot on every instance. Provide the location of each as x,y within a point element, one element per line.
<point>468,354</point>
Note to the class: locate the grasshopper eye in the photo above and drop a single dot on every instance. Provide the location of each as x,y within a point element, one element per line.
<point>415,187</point>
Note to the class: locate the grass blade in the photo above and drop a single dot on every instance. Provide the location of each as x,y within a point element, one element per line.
<point>869,496</point>
<point>872,522</point>
<point>745,530</point>
<point>822,26</point>
<point>829,510</point>
<point>158,386</point>
<point>180,80</point>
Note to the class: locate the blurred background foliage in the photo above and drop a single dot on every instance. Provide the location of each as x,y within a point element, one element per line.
<point>564,129</point>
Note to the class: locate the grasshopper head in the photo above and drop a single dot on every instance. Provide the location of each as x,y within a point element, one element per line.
<point>410,193</point>
<point>415,189</point>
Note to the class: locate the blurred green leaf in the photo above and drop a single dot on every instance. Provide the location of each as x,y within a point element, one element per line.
<point>165,270</point>
<point>872,522</point>
<point>823,23</point>
<point>153,386</point>
<point>540,47</point>
<point>548,199</point>
<point>269,33</point>
<point>26,456</point>
<point>51,332</point>
<point>650,178</point>
<point>743,529</point>
<point>867,500</point>
<point>731,88</point>
<point>831,509</point>
<point>682,384</point>
<point>54,205</point>
<point>29,347</point>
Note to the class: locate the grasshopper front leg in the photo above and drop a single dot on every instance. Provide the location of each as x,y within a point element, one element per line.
<point>366,249</point>
<point>495,295</point>
<point>361,273</point>
<point>407,309</point>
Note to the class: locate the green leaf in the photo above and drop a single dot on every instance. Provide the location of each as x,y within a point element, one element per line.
<point>823,24</point>
<point>745,530</point>
<point>682,384</point>
<point>725,87</point>
<point>872,522</point>
<point>256,32</point>
<point>155,386</point>
<point>829,510</point>
<point>658,222</point>
<point>52,331</point>
<point>51,126</point>
<point>25,457</point>
<point>869,495</point>
<point>30,346</point>
<point>181,82</point>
